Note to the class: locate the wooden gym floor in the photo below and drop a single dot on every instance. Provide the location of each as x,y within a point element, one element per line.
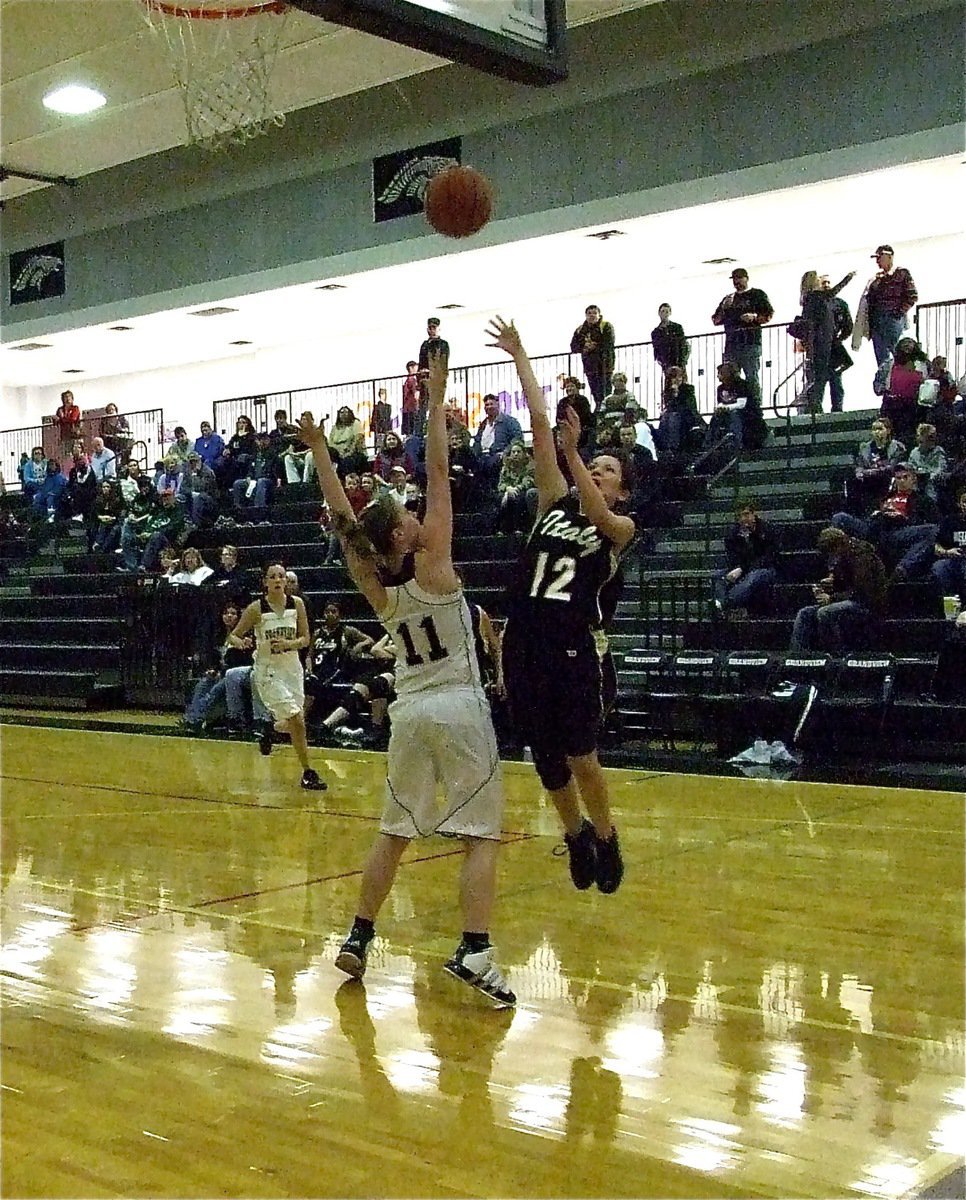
<point>772,1005</point>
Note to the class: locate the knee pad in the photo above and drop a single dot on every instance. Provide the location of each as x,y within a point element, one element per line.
<point>552,770</point>
<point>380,687</point>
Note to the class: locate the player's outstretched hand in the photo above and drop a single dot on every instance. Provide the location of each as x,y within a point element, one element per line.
<point>438,374</point>
<point>309,432</point>
<point>505,336</point>
<point>568,429</point>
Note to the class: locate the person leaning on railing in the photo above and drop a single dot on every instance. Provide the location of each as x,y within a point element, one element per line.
<point>116,433</point>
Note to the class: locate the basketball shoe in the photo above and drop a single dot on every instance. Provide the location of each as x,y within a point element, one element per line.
<point>352,957</point>
<point>610,865</point>
<point>479,970</point>
<point>311,781</point>
<point>582,850</point>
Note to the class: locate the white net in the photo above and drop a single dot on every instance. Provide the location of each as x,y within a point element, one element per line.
<point>223,56</point>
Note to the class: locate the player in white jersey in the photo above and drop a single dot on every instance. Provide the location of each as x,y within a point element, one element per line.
<point>281,629</point>
<point>442,733</point>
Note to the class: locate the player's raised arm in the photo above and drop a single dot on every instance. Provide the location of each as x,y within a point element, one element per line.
<point>548,477</point>
<point>359,556</point>
<point>618,528</point>
<point>438,521</point>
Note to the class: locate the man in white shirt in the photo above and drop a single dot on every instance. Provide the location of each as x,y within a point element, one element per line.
<point>103,461</point>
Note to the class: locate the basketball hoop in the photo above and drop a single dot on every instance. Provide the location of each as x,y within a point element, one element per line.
<point>223,55</point>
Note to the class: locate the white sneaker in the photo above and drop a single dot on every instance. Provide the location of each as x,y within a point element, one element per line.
<point>480,971</point>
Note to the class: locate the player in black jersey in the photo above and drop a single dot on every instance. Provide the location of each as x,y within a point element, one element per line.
<point>554,642</point>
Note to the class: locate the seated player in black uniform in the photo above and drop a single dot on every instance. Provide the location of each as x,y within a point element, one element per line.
<point>554,643</point>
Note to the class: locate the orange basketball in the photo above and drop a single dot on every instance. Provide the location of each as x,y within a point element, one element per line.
<point>458,202</point>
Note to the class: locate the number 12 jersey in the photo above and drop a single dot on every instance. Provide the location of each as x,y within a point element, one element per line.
<point>562,569</point>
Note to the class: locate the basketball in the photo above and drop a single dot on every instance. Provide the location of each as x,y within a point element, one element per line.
<point>458,202</point>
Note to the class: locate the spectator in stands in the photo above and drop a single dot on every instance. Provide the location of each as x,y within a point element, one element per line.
<point>128,480</point>
<point>46,500</point>
<point>818,317</point>
<point>381,420</point>
<point>142,543</point>
<point>238,455</point>
<point>943,557</point>
<point>194,571</point>
<point>841,360</point>
<point>847,601</point>
<point>77,502</point>
<point>671,348</point>
<point>198,491</point>
<point>680,422</point>
<point>116,433</point>
<point>33,472</point>
<point>463,469</point>
<point>140,508</point>
<point>297,461</point>
<point>170,565</point>
<point>103,461</point>
<point>68,419</point>
<point>392,453</point>
<point>209,691</point>
<point>397,486</point>
<point>210,446</point>
<point>645,467</point>
<point>875,465</point>
<point>229,579</point>
<point>928,460</point>
<point>731,401</point>
<point>574,398</point>
<point>254,492</point>
<point>742,313</point>
<point>281,437</point>
<point>904,518</point>
<point>348,439</point>
<point>634,416</point>
<point>616,402</point>
<point>594,342</point>
<point>898,381</point>
<point>496,432</point>
<point>889,296</point>
<point>180,447</point>
<point>169,477</point>
<point>752,552</point>
<point>433,345</point>
<point>370,485</point>
<point>104,531</point>
<point>410,399</point>
<point>516,490</point>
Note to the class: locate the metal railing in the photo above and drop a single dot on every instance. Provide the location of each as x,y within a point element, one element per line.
<point>668,605</point>
<point>144,440</point>
<point>941,329</point>
<point>469,384</point>
<point>163,631</point>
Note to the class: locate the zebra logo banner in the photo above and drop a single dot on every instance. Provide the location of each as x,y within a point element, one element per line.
<point>399,180</point>
<point>37,274</point>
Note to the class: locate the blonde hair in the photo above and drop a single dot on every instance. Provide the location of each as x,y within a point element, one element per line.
<point>810,283</point>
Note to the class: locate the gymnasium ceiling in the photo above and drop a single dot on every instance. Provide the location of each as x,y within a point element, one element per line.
<point>106,44</point>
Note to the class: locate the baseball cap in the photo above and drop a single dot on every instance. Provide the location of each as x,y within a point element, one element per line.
<point>883,249</point>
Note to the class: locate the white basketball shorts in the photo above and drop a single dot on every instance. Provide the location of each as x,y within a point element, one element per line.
<point>281,685</point>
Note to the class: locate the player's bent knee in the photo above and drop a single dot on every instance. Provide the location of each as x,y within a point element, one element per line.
<point>552,770</point>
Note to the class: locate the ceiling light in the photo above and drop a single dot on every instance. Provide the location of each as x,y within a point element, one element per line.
<point>240,342</point>
<point>446,307</point>
<point>32,346</point>
<point>330,287</point>
<point>717,262</point>
<point>73,371</point>
<point>604,235</point>
<point>218,310</point>
<point>120,328</point>
<point>74,99</point>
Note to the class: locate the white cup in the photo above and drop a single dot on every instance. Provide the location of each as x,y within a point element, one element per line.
<point>951,607</point>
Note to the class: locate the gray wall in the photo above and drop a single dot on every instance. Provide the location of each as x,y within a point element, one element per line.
<point>297,204</point>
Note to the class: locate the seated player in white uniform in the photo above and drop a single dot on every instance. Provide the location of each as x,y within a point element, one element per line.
<point>442,734</point>
<point>281,631</point>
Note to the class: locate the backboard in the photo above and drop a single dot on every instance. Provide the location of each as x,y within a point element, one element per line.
<point>522,40</point>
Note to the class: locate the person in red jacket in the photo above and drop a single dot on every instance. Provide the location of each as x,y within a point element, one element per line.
<point>68,418</point>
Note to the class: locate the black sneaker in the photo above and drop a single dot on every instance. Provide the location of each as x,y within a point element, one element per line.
<point>610,865</point>
<point>311,781</point>
<point>582,849</point>
<point>352,957</point>
<point>265,739</point>
<point>478,968</point>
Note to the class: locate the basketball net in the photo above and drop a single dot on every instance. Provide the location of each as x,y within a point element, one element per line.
<point>223,55</point>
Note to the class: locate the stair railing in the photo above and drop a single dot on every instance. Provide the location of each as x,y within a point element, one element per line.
<point>780,409</point>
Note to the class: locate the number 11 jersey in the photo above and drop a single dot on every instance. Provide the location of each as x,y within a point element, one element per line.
<point>434,639</point>
<point>563,566</point>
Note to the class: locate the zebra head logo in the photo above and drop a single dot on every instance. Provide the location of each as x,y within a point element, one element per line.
<point>412,179</point>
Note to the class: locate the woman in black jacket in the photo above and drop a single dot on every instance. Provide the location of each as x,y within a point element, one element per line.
<point>818,319</point>
<point>238,455</point>
<point>679,414</point>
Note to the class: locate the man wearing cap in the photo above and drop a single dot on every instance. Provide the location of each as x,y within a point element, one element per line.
<point>889,297</point>
<point>438,347</point>
<point>742,313</point>
<point>198,490</point>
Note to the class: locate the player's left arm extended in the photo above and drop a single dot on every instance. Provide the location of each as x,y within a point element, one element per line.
<point>438,522</point>
<point>615,527</point>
